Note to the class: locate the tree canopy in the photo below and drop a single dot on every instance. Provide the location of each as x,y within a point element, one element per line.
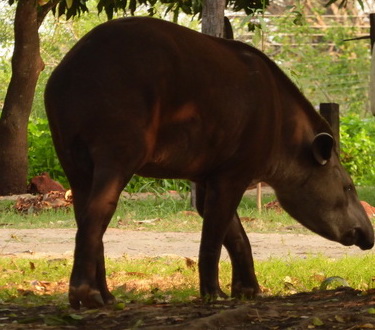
<point>190,7</point>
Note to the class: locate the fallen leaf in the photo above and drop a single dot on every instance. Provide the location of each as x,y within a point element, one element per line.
<point>247,219</point>
<point>189,213</point>
<point>76,317</point>
<point>190,263</point>
<point>316,321</point>
<point>148,221</point>
<point>15,237</point>
<point>119,306</point>
<point>339,319</point>
<point>337,281</point>
<point>68,195</point>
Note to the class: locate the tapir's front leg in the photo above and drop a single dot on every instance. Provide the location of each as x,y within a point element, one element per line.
<point>244,281</point>
<point>217,208</point>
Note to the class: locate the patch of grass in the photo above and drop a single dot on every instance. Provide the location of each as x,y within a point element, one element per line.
<point>34,281</point>
<point>59,218</point>
<point>280,277</point>
<point>367,194</point>
<point>164,279</point>
<point>168,213</point>
<point>157,213</point>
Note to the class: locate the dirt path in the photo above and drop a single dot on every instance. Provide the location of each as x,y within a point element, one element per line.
<point>60,242</point>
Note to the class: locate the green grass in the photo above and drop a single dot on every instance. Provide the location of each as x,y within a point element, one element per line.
<point>299,275</point>
<point>9,218</point>
<point>154,212</point>
<point>163,279</point>
<point>164,212</point>
<point>367,194</point>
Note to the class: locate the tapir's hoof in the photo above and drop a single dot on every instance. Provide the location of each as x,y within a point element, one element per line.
<point>88,297</point>
<point>213,296</point>
<point>246,292</point>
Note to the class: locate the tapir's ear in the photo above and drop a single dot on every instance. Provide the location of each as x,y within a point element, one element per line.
<point>322,147</point>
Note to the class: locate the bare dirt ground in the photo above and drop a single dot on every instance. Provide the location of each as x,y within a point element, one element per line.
<point>38,243</point>
<point>338,309</point>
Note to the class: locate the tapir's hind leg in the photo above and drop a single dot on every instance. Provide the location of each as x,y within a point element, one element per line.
<point>95,201</point>
<point>87,283</point>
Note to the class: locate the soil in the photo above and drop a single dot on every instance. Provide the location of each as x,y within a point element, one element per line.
<point>340,309</point>
<point>335,309</point>
<point>36,243</point>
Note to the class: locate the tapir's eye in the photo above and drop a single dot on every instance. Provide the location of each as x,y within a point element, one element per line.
<point>348,188</point>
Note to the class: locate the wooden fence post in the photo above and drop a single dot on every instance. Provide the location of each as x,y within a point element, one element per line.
<point>372,70</point>
<point>331,112</point>
<point>372,29</point>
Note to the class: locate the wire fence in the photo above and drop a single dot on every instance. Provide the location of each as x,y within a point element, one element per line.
<point>314,54</point>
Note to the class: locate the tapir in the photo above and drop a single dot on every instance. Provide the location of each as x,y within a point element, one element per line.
<point>148,97</point>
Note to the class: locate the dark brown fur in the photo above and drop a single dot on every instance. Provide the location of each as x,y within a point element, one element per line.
<point>144,96</point>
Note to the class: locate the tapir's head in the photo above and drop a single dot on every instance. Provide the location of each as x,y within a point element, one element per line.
<point>319,193</point>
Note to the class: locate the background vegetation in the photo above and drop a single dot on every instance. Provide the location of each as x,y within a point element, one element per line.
<point>326,68</point>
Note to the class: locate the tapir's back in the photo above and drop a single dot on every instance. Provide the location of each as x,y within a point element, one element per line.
<point>136,76</point>
<point>163,61</point>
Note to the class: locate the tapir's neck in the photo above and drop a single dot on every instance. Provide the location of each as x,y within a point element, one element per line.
<point>300,124</point>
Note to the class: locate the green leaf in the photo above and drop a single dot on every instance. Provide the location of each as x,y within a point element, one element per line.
<point>316,321</point>
<point>336,281</point>
<point>119,306</point>
<point>339,319</point>
<point>76,317</point>
<point>69,3</point>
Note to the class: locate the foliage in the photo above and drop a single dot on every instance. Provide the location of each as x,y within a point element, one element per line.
<point>358,148</point>
<point>72,8</point>
<point>42,155</point>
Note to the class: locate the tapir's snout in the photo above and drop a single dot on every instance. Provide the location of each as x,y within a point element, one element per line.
<point>363,238</point>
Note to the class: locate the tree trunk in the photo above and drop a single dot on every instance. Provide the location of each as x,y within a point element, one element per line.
<point>26,67</point>
<point>213,25</point>
<point>213,17</point>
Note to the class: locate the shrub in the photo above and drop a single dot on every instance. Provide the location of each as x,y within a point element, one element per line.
<point>42,155</point>
<point>358,148</point>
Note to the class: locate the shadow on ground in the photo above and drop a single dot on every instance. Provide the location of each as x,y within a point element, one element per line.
<point>343,308</point>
